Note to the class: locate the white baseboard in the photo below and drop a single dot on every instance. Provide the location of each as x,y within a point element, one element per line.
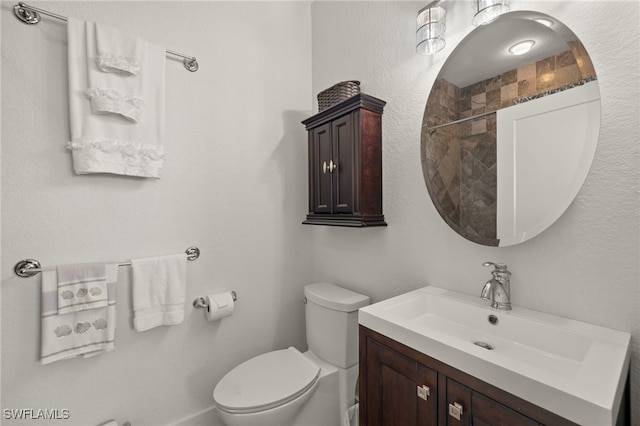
<point>206,417</point>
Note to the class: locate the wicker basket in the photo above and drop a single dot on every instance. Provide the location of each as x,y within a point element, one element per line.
<point>337,93</point>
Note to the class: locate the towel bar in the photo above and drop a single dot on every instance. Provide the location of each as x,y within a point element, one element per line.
<point>31,15</point>
<point>30,267</point>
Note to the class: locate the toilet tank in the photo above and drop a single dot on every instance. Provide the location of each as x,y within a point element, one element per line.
<point>331,314</point>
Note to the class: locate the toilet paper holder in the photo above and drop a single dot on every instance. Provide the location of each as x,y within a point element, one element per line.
<point>201,302</point>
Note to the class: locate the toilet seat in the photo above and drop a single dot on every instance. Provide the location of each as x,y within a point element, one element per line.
<point>266,381</point>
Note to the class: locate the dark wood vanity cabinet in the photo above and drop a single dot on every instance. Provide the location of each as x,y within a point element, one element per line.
<point>345,163</point>
<point>400,390</point>
<point>401,386</point>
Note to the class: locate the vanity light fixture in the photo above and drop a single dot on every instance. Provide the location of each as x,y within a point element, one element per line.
<point>522,47</point>
<point>430,25</point>
<point>488,10</point>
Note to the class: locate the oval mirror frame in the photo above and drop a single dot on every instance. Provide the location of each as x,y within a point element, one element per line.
<point>507,140</point>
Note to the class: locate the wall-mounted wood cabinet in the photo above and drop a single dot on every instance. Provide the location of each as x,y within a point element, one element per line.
<point>345,164</point>
<point>401,386</point>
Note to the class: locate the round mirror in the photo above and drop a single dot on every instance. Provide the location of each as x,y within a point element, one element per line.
<point>510,128</point>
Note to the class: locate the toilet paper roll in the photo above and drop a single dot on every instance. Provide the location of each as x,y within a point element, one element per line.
<point>219,305</point>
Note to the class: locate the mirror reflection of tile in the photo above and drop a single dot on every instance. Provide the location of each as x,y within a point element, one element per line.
<point>461,158</point>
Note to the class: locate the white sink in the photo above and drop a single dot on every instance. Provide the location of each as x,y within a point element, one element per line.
<point>574,369</point>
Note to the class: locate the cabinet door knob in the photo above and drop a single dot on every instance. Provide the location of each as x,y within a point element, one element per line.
<point>455,410</point>
<point>424,392</point>
<point>331,166</point>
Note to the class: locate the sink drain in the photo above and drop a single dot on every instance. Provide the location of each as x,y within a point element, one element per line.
<point>484,345</point>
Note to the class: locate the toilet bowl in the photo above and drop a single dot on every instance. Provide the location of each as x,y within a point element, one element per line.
<point>286,387</point>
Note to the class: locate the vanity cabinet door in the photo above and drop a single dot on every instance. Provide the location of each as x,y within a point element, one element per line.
<point>486,411</point>
<point>400,391</point>
<point>458,409</point>
<point>468,407</point>
<point>427,408</point>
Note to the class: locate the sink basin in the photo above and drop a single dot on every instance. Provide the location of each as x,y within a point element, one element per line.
<point>573,369</point>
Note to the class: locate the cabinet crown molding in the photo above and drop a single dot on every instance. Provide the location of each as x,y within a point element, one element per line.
<point>361,100</point>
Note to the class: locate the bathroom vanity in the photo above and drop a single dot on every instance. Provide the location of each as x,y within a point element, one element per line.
<point>435,357</point>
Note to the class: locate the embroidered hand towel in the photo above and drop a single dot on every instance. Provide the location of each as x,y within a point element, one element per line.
<point>82,287</point>
<point>84,333</point>
<point>116,50</point>
<point>106,142</point>
<point>159,290</point>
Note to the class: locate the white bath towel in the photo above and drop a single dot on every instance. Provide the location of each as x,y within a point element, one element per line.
<point>106,142</point>
<point>82,287</point>
<point>117,51</point>
<point>159,290</point>
<point>85,333</point>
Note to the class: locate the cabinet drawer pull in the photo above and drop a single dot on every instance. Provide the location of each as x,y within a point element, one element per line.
<point>424,392</point>
<point>455,410</point>
<point>324,167</point>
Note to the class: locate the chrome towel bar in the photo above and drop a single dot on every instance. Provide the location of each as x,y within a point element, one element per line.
<point>31,15</point>
<point>30,267</point>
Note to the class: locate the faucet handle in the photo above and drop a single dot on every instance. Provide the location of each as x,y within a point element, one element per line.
<point>495,265</point>
<point>498,267</point>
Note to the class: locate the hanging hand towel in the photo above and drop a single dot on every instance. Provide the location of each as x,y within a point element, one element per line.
<point>114,93</point>
<point>82,287</point>
<point>85,333</point>
<point>159,287</point>
<point>116,50</point>
<point>105,142</point>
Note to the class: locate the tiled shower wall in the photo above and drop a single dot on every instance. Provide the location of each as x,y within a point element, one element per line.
<point>460,159</point>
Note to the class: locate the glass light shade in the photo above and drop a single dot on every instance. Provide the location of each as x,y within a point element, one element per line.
<point>489,10</point>
<point>430,33</point>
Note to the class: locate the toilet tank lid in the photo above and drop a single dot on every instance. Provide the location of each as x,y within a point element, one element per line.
<point>333,297</point>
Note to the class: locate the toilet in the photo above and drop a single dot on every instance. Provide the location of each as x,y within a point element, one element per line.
<point>288,387</point>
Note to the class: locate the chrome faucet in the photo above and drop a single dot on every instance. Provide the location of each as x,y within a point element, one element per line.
<point>498,289</point>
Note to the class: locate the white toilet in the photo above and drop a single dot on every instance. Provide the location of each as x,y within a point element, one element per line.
<point>287,387</point>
